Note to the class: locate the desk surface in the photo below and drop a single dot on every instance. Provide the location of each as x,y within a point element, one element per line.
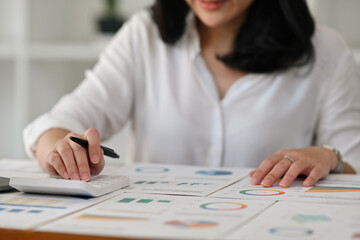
<point>9,234</point>
<point>210,204</point>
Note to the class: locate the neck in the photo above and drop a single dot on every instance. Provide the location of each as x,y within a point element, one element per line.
<point>219,39</point>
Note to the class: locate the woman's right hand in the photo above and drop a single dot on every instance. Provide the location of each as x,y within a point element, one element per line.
<point>61,156</point>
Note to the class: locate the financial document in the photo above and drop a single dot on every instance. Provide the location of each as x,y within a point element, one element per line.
<point>179,180</point>
<point>291,220</point>
<point>25,211</point>
<point>160,216</point>
<point>190,202</point>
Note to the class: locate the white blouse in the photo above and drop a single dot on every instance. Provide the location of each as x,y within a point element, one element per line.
<point>171,99</point>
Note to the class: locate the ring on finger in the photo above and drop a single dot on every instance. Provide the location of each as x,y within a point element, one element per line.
<point>289,158</point>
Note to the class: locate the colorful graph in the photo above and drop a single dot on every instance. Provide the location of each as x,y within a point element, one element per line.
<point>193,184</point>
<point>291,232</point>
<point>332,190</point>
<point>135,200</point>
<point>130,211</point>
<point>214,172</point>
<point>127,200</point>
<point>202,224</point>
<point>17,210</point>
<point>311,218</point>
<point>223,206</point>
<point>144,201</point>
<point>33,202</point>
<point>262,192</point>
<point>152,169</point>
<point>92,217</point>
<point>35,211</point>
<point>151,182</point>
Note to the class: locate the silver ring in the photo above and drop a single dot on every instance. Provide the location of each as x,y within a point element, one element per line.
<point>289,158</point>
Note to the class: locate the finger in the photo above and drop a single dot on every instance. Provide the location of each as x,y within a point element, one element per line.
<point>67,155</point>
<point>276,173</point>
<point>82,160</point>
<point>264,168</point>
<point>55,166</point>
<point>93,137</point>
<point>294,171</point>
<point>97,168</point>
<point>48,166</point>
<point>314,176</point>
<point>251,173</point>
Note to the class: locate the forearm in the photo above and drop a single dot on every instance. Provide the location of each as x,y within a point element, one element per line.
<point>46,143</point>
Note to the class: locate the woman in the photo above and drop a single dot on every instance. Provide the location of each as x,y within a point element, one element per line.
<point>243,83</point>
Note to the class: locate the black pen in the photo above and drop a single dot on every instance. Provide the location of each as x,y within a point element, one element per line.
<point>107,151</point>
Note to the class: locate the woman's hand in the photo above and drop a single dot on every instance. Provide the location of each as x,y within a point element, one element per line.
<point>314,162</point>
<point>68,159</point>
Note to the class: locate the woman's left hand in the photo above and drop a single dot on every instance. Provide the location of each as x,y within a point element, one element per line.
<point>314,162</point>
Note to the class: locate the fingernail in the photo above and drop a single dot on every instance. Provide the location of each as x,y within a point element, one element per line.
<point>284,183</point>
<point>265,183</point>
<point>66,175</point>
<point>95,158</point>
<point>85,176</point>
<point>75,176</point>
<point>307,184</point>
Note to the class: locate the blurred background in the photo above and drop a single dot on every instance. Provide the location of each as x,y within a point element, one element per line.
<point>46,45</point>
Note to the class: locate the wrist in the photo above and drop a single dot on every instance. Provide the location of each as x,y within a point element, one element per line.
<point>46,142</point>
<point>337,166</point>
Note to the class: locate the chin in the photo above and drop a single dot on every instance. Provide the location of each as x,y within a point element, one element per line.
<point>212,21</point>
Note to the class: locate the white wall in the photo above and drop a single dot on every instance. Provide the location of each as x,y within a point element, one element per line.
<point>343,16</point>
<point>45,47</point>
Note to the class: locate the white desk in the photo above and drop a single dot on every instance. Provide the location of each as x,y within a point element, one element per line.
<point>224,206</point>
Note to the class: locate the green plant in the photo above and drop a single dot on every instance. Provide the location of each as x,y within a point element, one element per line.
<point>110,21</point>
<point>111,7</point>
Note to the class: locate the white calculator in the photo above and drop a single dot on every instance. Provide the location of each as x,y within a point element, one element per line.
<point>97,186</point>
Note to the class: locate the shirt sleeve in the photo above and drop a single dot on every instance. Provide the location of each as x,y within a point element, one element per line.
<point>339,124</point>
<point>103,100</point>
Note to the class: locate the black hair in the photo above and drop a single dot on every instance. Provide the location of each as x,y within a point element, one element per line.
<point>276,34</point>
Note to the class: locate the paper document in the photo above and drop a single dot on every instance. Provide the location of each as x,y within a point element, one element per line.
<point>25,211</point>
<point>158,216</point>
<point>340,180</point>
<point>311,221</point>
<point>245,190</point>
<point>20,168</point>
<point>178,179</point>
<point>335,188</point>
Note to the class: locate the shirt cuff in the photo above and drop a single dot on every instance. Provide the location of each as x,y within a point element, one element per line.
<point>44,123</point>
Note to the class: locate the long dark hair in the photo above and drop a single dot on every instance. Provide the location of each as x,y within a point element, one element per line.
<point>275,36</point>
